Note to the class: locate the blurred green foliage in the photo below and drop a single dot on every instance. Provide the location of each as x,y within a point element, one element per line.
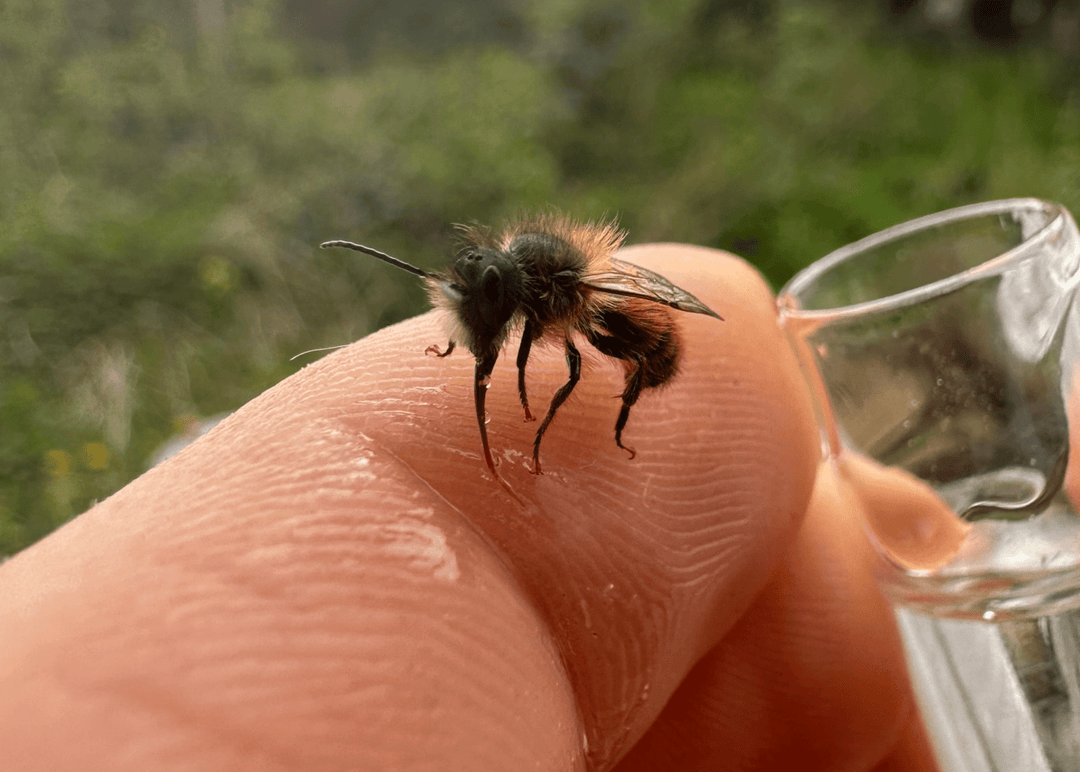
<point>168,170</point>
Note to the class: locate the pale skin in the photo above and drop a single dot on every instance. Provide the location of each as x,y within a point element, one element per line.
<point>331,581</point>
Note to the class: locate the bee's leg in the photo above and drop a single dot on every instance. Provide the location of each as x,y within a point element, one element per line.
<point>433,349</point>
<point>635,376</point>
<point>484,366</point>
<point>635,382</point>
<point>573,362</point>
<point>522,360</point>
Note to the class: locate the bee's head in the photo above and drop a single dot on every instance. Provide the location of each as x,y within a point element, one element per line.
<point>484,291</point>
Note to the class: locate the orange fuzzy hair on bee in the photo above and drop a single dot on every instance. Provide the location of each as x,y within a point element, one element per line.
<point>595,241</point>
<point>552,277</point>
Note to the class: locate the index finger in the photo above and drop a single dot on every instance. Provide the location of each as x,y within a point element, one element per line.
<point>330,578</point>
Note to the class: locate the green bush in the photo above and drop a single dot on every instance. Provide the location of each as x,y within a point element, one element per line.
<point>167,178</point>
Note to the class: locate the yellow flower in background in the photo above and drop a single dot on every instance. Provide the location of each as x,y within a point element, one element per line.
<point>58,462</point>
<point>95,455</point>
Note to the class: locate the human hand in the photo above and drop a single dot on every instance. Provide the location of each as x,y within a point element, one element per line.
<point>331,580</point>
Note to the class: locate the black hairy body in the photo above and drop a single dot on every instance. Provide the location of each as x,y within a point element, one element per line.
<point>554,279</point>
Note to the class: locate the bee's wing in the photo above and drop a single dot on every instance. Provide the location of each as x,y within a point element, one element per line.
<point>634,281</point>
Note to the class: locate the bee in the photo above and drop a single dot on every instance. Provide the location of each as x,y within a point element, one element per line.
<point>553,279</point>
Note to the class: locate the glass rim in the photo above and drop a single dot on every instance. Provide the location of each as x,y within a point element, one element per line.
<point>800,282</point>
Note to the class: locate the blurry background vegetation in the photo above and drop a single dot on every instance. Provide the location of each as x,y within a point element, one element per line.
<point>167,167</point>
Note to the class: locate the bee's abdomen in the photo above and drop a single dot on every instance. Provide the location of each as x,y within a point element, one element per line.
<point>640,332</point>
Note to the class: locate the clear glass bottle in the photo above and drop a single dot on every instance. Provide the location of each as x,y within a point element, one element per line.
<point>943,355</point>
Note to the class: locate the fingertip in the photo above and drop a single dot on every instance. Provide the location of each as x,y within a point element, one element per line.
<point>909,521</point>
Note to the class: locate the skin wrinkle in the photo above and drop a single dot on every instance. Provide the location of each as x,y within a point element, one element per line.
<point>389,453</point>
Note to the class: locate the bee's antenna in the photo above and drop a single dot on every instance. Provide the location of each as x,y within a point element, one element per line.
<point>376,253</point>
